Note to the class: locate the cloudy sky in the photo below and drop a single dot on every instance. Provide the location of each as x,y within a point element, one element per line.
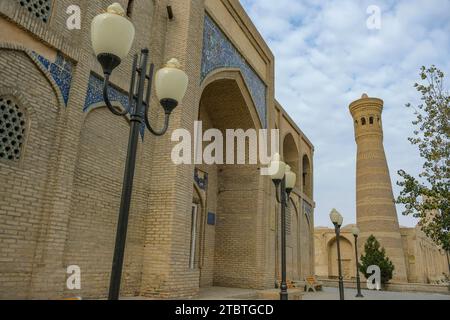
<point>326,57</point>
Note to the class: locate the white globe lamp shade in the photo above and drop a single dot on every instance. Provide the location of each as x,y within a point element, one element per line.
<point>277,167</point>
<point>336,217</point>
<point>171,82</point>
<point>341,221</point>
<point>112,33</point>
<point>355,231</point>
<point>291,178</point>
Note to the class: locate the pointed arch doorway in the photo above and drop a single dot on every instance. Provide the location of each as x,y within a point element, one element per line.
<point>232,253</point>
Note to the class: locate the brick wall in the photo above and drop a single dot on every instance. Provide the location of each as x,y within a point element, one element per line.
<point>24,193</point>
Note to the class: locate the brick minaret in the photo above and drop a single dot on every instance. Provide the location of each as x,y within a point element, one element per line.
<point>375,207</point>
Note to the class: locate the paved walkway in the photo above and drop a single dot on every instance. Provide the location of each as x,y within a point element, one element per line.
<point>349,294</point>
<point>219,293</point>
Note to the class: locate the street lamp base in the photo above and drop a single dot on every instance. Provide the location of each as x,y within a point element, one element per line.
<point>359,295</point>
<point>284,296</point>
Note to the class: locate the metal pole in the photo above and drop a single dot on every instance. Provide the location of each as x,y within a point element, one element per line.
<point>127,188</point>
<point>283,292</point>
<point>341,279</point>
<point>358,280</point>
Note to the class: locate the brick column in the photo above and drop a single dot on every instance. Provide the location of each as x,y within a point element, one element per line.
<point>166,270</point>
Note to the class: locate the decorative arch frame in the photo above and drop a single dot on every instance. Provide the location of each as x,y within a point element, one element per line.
<point>203,217</point>
<point>37,63</point>
<point>198,191</point>
<point>219,52</point>
<point>330,243</point>
<point>341,236</point>
<point>310,181</point>
<point>236,75</point>
<point>289,133</point>
<point>101,105</point>
<point>292,133</point>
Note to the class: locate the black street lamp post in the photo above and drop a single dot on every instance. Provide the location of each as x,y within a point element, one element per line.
<point>355,232</point>
<point>281,185</point>
<point>284,180</point>
<point>112,37</point>
<point>337,220</point>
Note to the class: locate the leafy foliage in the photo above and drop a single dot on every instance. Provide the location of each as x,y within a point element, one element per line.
<point>375,255</point>
<point>427,197</point>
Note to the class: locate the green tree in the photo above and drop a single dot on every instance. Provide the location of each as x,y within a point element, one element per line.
<point>374,254</point>
<point>427,197</point>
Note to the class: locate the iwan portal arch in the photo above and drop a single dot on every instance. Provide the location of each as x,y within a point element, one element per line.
<point>232,250</point>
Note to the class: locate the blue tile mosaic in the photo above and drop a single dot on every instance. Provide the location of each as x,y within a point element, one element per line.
<point>219,52</point>
<point>45,62</point>
<point>94,95</point>
<point>201,181</point>
<point>211,219</point>
<point>61,72</point>
<point>308,210</point>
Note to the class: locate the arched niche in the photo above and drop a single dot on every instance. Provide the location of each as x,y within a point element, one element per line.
<point>291,156</point>
<point>97,186</point>
<point>226,104</point>
<point>347,258</point>
<point>306,176</point>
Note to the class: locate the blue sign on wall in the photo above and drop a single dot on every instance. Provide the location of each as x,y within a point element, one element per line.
<point>211,219</point>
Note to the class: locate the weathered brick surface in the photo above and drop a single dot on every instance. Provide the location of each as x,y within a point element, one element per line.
<point>375,204</point>
<point>425,261</point>
<point>23,188</point>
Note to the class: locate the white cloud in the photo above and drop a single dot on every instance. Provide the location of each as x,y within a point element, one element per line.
<point>326,57</point>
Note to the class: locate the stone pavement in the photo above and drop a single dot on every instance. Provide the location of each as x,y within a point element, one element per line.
<point>219,293</point>
<point>333,294</point>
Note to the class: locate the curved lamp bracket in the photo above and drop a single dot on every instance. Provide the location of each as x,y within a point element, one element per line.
<point>168,105</point>
<point>136,100</point>
<point>108,101</point>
